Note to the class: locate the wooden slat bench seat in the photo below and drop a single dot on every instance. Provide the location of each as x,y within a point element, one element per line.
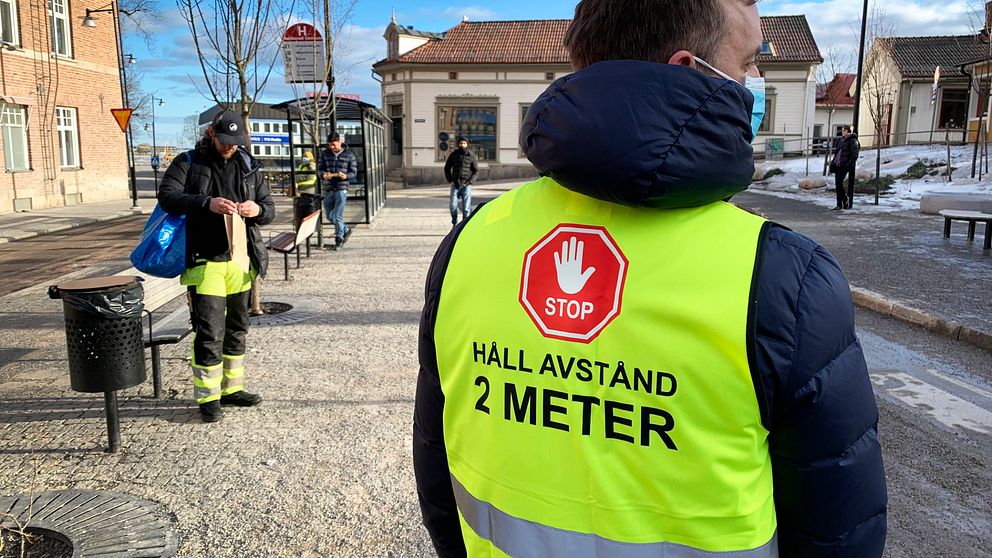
<point>973,218</point>
<point>287,243</point>
<point>162,330</point>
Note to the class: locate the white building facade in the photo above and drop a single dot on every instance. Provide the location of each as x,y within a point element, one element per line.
<point>479,78</point>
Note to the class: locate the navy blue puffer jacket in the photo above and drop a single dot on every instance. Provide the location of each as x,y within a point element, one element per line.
<point>656,135</point>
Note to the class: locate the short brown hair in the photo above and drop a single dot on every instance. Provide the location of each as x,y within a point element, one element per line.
<point>650,30</point>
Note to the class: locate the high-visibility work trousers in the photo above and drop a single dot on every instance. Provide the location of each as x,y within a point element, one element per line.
<point>219,296</point>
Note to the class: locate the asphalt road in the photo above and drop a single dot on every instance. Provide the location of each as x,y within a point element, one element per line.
<point>934,397</point>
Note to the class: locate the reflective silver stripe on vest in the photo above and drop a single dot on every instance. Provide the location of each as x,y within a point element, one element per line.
<point>521,538</point>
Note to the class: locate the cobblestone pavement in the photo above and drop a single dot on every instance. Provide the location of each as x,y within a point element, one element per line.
<point>321,468</point>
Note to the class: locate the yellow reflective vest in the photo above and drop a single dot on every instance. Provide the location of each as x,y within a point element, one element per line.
<point>598,393</point>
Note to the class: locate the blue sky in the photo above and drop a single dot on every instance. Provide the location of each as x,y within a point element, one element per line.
<point>169,67</point>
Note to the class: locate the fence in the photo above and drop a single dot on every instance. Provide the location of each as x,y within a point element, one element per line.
<point>787,148</point>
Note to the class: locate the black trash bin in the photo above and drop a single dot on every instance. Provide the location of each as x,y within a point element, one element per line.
<point>103,332</point>
<point>304,205</point>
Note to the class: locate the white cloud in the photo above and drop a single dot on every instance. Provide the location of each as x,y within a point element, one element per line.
<point>476,13</point>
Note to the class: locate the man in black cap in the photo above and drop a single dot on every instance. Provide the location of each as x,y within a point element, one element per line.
<point>337,167</point>
<point>460,171</point>
<point>218,185</point>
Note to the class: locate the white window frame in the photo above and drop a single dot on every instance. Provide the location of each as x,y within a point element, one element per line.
<point>59,12</point>
<point>68,129</point>
<point>9,26</point>
<point>14,124</point>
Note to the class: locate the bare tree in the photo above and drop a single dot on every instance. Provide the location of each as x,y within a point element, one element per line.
<point>190,133</point>
<point>880,81</point>
<point>834,63</point>
<point>331,16</point>
<point>235,43</point>
<point>138,16</point>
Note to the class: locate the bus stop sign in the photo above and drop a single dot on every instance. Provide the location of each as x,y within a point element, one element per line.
<point>572,282</point>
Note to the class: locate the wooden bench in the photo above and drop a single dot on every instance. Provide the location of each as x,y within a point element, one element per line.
<point>972,217</point>
<point>286,243</point>
<point>167,330</point>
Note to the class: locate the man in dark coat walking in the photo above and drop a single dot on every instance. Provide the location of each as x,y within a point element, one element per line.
<point>460,171</point>
<point>338,167</point>
<point>845,163</point>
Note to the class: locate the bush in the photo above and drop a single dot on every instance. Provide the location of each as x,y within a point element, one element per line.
<point>884,182</point>
<point>917,170</point>
<point>773,172</point>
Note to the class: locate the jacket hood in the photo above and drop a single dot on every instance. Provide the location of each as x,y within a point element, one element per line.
<point>643,134</point>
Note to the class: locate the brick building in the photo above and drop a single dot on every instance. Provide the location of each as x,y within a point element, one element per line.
<point>58,82</point>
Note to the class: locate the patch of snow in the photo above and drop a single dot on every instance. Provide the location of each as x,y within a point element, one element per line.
<point>904,195</point>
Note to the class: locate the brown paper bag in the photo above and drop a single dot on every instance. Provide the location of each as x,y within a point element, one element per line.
<point>237,240</point>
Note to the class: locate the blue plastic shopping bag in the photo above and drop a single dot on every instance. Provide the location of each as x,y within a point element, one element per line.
<point>162,249</point>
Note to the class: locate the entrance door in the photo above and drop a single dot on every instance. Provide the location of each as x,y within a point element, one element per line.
<point>887,125</point>
<point>395,137</point>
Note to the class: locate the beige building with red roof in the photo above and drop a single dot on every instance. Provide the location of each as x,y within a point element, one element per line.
<point>479,78</point>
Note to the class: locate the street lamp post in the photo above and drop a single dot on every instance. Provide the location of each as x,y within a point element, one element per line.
<point>857,94</point>
<point>155,160</point>
<point>88,21</point>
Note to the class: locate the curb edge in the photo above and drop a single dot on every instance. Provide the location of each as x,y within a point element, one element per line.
<point>876,302</point>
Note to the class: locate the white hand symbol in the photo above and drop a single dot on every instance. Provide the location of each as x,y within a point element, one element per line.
<point>568,264</point>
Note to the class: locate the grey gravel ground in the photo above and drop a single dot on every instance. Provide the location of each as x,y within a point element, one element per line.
<point>322,468</point>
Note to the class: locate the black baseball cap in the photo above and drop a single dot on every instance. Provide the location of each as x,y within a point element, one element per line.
<point>229,128</point>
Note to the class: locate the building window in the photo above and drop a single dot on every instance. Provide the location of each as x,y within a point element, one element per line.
<point>254,127</point>
<point>13,120</point>
<point>268,150</point>
<point>65,119</point>
<point>478,124</point>
<point>61,39</point>
<point>8,21</point>
<point>953,108</point>
<point>768,122</point>
<point>452,75</point>
<point>550,76</point>
<point>524,107</point>
<point>767,48</point>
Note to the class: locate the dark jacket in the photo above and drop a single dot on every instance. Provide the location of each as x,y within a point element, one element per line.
<point>688,145</point>
<point>186,189</point>
<point>461,168</point>
<point>848,150</point>
<point>345,162</point>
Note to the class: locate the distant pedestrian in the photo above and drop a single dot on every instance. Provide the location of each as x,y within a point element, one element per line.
<point>844,165</point>
<point>306,175</point>
<point>460,171</point>
<point>220,188</point>
<point>338,167</point>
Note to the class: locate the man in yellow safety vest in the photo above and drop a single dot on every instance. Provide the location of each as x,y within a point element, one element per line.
<point>614,361</point>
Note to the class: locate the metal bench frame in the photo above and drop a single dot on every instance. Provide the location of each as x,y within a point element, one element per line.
<point>169,330</point>
<point>286,243</point>
<point>972,217</point>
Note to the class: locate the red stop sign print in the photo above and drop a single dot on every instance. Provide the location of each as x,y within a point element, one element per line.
<point>572,282</point>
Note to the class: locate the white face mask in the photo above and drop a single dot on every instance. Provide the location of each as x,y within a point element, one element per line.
<point>756,85</point>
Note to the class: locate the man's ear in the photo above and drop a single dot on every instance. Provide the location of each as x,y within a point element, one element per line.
<point>683,58</point>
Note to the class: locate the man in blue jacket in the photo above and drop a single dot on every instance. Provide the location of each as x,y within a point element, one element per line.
<point>338,167</point>
<point>520,448</point>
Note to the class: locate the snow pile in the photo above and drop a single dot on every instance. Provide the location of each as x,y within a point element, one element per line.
<point>904,195</point>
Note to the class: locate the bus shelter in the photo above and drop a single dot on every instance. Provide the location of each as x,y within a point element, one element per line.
<point>362,125</point>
